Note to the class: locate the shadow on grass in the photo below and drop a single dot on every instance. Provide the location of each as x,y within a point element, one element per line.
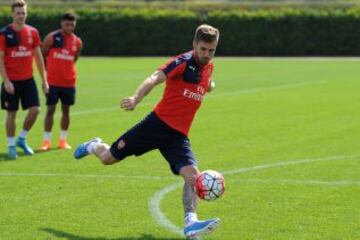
<point>21,154</point>
<point>5,157</point>
<point>70,236</point>
<point>39,151</point>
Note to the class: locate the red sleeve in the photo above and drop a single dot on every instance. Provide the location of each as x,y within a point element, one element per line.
<point>173,68</point>
<point>36,37</point>
<point>79,44</point>
<point>211,70</point>
<point>2,43</point>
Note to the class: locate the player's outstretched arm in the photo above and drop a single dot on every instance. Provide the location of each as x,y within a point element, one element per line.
<point>129,103</point>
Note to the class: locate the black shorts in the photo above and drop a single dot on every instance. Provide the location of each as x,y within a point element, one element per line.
<point>25,91</point>
<point>66,95</point>
<point>152,133</point>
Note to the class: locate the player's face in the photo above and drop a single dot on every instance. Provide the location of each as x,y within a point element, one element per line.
<point>19,15</point>
<point>68,26</point>
<point>204,51</point>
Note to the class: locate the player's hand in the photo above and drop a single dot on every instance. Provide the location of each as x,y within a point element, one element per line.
<point>9,87</point>
<point>45,87</point>
<point>211,86</point>
<point>129,103</point>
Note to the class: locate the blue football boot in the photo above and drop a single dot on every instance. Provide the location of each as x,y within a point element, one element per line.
<point>21,143</point>
<point>81,151</point>
<point>12,153</point>
<point>199,228</point>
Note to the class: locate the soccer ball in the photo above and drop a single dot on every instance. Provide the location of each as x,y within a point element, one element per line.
<point>210,185</point>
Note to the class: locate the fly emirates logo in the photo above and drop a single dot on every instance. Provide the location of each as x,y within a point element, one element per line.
<point>22,52</point>
<point>64,55</point>
<point>197,96</point>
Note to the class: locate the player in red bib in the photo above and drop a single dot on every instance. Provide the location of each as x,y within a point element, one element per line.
<point>19,44</point>
<point>61,49</point>
<point>188,78</point>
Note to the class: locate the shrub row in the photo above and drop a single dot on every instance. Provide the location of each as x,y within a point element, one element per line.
<point>281,32</point>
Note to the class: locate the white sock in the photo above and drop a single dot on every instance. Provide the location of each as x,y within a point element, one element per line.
<point>190,217</point>
<point>11,141</point>
<point>63,134</point>
<point>91,147</point>
<point>23,134</point>
<point>47,136</point>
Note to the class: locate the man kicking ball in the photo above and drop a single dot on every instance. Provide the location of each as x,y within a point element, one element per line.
<point>188,78</point>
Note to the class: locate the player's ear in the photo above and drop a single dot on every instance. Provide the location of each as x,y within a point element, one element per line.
<point>194,44</point>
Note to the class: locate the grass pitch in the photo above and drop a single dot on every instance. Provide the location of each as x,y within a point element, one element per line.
<point>285,132</point>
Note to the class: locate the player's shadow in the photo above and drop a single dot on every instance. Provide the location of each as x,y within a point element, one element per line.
<point>39,151</point>
<point>70,236</point>
<point>5,156</point>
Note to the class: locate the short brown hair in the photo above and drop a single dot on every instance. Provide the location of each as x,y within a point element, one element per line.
<point>68,16</point>
<point>18,3</point>
<point>206,33</point>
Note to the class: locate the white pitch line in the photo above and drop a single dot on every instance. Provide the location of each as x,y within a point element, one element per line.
<point>101,110</point>
<point>290,162</point>
<point>231,172</point>
<point>298,182</point>
<point>155,201</point>
<point>231,93</point>
<point>158,215</point>
<point>14,174</point>
<point>264,89</point>
<point>210,96</point>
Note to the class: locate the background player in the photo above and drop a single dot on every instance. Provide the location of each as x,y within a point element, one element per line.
<point>19,43</point>
<point>61,49</point>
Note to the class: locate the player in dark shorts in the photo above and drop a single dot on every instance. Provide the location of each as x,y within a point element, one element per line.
<point>61,49</point>
<point>188,78</point>
<point>19,44</point>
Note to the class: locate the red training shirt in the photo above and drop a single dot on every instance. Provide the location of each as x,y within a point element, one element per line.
<point>18,51</point>
<point>187,83</point>
<point>60,63</point>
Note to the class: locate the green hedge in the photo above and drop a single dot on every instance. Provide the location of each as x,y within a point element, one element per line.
<point>281,32</point>
<point>289,32</point>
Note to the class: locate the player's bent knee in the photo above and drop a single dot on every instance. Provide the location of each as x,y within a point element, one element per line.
<point>107,158</point>
<point>107,161</point>
<point>189,174</point>
<point>34,110</point>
